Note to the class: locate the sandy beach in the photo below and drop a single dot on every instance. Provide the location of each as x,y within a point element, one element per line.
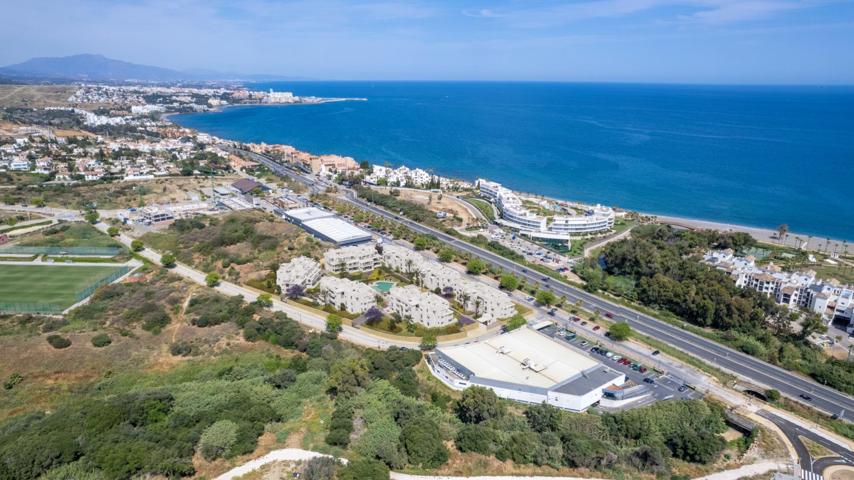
<point>765,235</point>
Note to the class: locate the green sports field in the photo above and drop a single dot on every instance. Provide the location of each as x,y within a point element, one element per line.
<point>45,284</point>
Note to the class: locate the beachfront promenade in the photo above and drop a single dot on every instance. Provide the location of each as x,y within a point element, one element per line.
<point>742,365</point>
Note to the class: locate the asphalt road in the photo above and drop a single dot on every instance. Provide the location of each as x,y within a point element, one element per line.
<point>757,371</point>
<point>793,432</point>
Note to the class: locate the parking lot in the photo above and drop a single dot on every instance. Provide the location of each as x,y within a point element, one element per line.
<point>660,383</point>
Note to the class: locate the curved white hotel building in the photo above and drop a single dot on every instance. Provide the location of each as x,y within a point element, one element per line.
<point>596,219</point>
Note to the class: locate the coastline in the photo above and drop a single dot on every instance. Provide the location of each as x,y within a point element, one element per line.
<point>220,108</point>
<point>763,234</point>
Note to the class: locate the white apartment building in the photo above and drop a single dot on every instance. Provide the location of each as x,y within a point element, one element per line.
<point>514,215</point>
<point>301,271</point>
<point>425,308</point>
<point>401,259</point>
<point>792,289</point>
<point>434,275</point>
<point>359,258</point>
<point>487,303</point>
<point>348,295</point>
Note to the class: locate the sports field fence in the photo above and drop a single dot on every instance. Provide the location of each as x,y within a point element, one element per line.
<point>55,309</point>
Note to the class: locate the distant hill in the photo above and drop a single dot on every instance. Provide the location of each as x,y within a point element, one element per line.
<point>90,67</point>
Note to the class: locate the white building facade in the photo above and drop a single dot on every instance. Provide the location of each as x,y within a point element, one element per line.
<point>301,271</point>
<point>425,308</point>
<point>359,258</point>
<point>343,294</point>
<point>515,215</point>
<point>487,303</point>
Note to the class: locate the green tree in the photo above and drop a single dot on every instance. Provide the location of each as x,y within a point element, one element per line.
<point>423,443</point>
<point>216,441</point>
<point>167,260</point>
<point>101,340</point>
<point>428,341</point>
<point>364,469</point>
<point>509,282</point>
<point>38,202</point>
<point>478,404</point>
<point>476,438</point>
<point>264,300</point>
<point>333,323</point>
<point>620,331</point>
<point>421,242</point>
<point>545,297</point>
<point>58,342</point>
<point>475,266</point>
<point>812,323</point>
<point>697,447</point>
<point>348,376</point>
<point>772,395</point>
<point>212,279</point>
<point>137,245</point>
<point>446,255</point>
<point>515,322</point>
<point>113,231</point>
<point>91,216</point>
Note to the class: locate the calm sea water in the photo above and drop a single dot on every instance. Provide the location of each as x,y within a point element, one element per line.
<point>757,156</point>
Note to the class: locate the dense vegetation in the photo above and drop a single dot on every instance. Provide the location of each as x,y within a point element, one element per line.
<point>659,267</point>
<point>640,440</point>
<point>246,246</point>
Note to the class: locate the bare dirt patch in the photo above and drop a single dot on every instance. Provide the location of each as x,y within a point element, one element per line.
<point>436,202</point>
<point>35,96</point>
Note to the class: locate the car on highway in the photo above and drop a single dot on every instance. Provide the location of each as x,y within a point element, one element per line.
<point>576,319</point>
<point>609,314</point>
<point>656,352</point>
<point>806,397</point>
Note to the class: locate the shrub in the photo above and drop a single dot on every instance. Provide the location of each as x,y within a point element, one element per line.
<point>423,443</point>
<point>320,468</point>
<point>515,322</point>
<point>478,404</point>
<point>59,342</point>
<point>217,440</point>
<point>181,349</point>
<point>13,380</point>
<point>282,379</point>
<point>137,245</point>
<point>364,470</point>
<point>113,231</point>
<point>101,340</point>
<point>620,331</point>
<point>333,323</point>
<point>167,260</point>
<point>475,438</point>
<point>212,279</point>
<point>772,395</point>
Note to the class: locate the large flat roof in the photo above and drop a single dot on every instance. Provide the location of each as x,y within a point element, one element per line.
<point>522,356</point>
<point>336,230</point>
<point>307,213</point>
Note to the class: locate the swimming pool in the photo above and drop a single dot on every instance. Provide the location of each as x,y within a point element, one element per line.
<point>383,286</point>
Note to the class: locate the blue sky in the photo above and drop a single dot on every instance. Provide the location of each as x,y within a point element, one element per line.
<point>673,41</point>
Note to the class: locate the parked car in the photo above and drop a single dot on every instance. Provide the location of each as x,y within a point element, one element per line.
<point>584,344</point>
<point>642,370</point>
<point>682,388</point>
<point>656,352</point>
<point>648,380</point>
<point>616,358</point>
<point>597,327</point>
<point>583,323</point>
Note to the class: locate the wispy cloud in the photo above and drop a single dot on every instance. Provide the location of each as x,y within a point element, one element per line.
<point>694,11</point>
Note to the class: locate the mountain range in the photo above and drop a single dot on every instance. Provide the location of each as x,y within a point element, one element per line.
<point>91,67</point>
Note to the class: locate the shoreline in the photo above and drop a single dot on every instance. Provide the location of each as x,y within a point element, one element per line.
<point>220,108</point>
<point>763,234</point>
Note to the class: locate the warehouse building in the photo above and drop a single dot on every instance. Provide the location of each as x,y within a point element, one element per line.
<point>528,367</point>
<point>327,226</point>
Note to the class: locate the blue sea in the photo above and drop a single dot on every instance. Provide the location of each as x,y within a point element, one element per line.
<point>757,156</point>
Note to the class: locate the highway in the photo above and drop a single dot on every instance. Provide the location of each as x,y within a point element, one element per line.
<point>757,371</point>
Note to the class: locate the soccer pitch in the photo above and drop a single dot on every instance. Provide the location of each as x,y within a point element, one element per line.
<point>47,284</point>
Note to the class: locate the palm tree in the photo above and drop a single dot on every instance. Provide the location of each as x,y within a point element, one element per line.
<point>782,230</point>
